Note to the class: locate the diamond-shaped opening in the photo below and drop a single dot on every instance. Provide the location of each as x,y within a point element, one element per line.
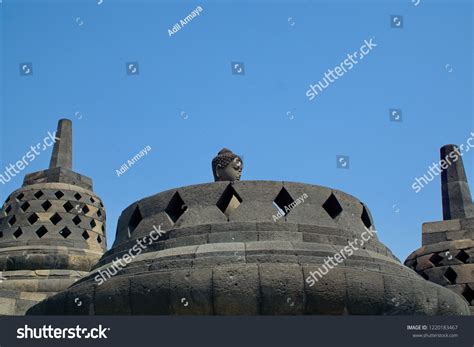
<point>18,232</point>
<point>76,220</point>
<point>101,204</point>
<point>436,259</point>
<point>38,194</point>
<point>93,224</point>
<point>424,275</point>
<point>55,218</point>
<point>46,205</point>
<point>20,196</point>
<point>366,217</point>
<point>85,209</point>
<point>1,234</point>
<point>462,256</point>
<point>85,235</point>
<point>103,227</point>
<point>135,219</point>
<point>25,206</point>
<point>99,239</point>
<point>176,207</point>
<point>229,201</point>
<point>8,209</point>
<point>12,221</point>
<point>33,218</point>
<point>332,206</point>
<point>59,194</point>
<point>65,232</point>
<point>68,206</point>
<point>41,231</point>
<point>468,294</point>
<point>451,275</point>
<point>92,199</point>
<point>414,264</point>
<point>77,196</point>
<point>283,200</point>
<point>99,214</point>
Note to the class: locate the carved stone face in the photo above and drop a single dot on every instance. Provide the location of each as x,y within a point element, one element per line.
<point>231,172</point>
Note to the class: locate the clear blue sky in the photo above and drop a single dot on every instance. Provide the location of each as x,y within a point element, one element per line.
<point>79,50</point>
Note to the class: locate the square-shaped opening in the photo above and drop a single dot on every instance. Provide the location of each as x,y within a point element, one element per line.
<point>462,256</point>
<point>55,218</point>
<point>76,220</point>
<point>65,232</point>
<point>41,231</point>
<point>17,233</point>
<point>436,259</point>
<point>451,275</point>
<point>25,206</point>
<point>46,205</point>
<point>68,206</point>
<point>59,194</point>
<point>12,221</point>
<point>38,194</point>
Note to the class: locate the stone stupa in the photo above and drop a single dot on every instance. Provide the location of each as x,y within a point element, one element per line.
<point>447,253</point>
<point>220,251</point>
<point>52,231</point>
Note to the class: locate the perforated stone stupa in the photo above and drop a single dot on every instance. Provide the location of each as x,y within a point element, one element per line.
<point>222,253</point>
<point>447,253</point>
<point>52,231</point>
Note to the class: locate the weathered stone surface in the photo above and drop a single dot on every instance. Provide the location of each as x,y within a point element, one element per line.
<point>54,224</point>
<point>446,255</point>
<point>248,264</point>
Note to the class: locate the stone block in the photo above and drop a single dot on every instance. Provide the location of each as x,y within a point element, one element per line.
<point>236,289</point>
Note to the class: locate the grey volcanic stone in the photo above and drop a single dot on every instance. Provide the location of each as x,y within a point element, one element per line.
<point>445,257</point>
<point>52,232</point>
<point>245,263</point>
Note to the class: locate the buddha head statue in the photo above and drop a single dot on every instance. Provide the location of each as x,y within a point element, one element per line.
<point>227,166</point>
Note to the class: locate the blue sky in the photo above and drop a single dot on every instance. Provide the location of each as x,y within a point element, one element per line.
<point>186,104</point>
